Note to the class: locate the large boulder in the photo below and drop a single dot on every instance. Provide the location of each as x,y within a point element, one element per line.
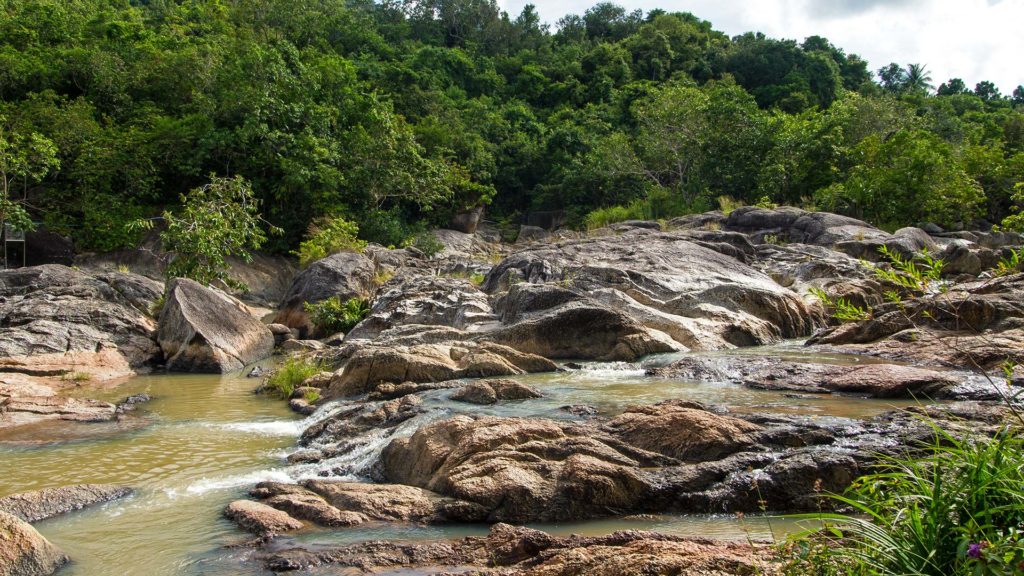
<point>260,519</point>
<point>374,364</point>
<point>205,330</point>
<point>427,301</point>
<point>24,552</point>
<point>57,317</point>
<point>344,275</point>
<point>644,291</point>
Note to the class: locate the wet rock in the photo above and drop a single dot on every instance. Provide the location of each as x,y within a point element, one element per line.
<point>395,502</point>
<point>877,380</point>
<point>344,275</point>
<point>24,552</point>
<point>373,365</point>
<point>490,391</point>
<point>49,502</point>
<point>132,402</point>
<point>260,519</point>
<point>387,391</point>
<point>518,550</point>
<point>302,406</point>
<point>256,372</point>
<point>580,410</point>
<point>205,330</point>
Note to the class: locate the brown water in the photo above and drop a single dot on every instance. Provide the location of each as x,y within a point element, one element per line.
<point>203,440</point>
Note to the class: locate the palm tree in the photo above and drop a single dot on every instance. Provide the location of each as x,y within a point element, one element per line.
<point>917,79</point>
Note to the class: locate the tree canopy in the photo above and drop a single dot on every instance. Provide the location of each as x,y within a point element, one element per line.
<point>397,114</point>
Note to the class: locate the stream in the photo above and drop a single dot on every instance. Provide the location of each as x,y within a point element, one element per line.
<point>204,440</point>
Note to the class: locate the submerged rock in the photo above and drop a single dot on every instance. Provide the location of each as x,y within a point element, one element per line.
<point>205,330</point>
<point>49,502</point>
<point>24,552</point>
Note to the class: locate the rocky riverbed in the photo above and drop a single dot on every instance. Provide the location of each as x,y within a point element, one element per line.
<point>458,401</point>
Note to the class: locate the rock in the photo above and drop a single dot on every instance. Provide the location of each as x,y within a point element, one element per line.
<point>49,502</point>
<point>54,319</point>
<point>427,301</point>
<point>529,234</point>
<point>795,225</point>
<point>260,519</point>
<point>17,411</point>
<point>24,552</point>
<point>959,259</point>
<point>877,380</point>
<point>524,551</point>
<point>647,288</point>
<point>205,330</point>
<point>256,372</point>
<point>299,346</point>
<point>373,365</point>
<point>519,469</point>
<point>388,391</point>
<point>302,406</point>
<point>490,391</point>
<point>467,220</point>
<point>132,402</point>
<point>392,502</point>
<point>683,431</point>
<point>345,275</point>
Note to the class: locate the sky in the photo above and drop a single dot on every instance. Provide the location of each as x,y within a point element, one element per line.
<point>973,40</point>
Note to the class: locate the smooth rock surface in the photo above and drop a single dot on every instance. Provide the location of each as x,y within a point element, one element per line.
<point>24,552</point>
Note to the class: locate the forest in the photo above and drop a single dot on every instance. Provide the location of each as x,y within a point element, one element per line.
<point>396,115</point>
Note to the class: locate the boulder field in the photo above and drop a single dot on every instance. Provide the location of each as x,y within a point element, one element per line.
<point>410,427</point>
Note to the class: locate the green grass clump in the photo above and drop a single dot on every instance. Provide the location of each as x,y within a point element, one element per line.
<point>956,510</point>
<point>332,315</point>
<point>290,375</point>
<point>841,308</point>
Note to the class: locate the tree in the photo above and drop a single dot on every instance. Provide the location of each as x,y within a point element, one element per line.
<point>987,91</point>
<point>25,159</point>
<point>217,220</point>
<point>1018,95</point>
<point>917,79</point>
<point>892,77</point>
<point>953,87</point>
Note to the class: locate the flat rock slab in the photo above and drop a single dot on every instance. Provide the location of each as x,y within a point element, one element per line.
<point>49,502</point>
<point>17,411</point>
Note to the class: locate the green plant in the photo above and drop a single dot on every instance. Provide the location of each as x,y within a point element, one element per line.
<point>382,277</point>
<point>427,243</point>
<point>290,375</point>
<point>772,239</point>
<point>123,268</point>
<point>914,274</point>
<point>841,308</point>
<point>311,396</point>
<point>954,507</point>
<point>727,204</point>
<point>332,315</point>
<point>766,203</point>
<point>157,306</point>
<point>1011,264</point>
<point>328,236</point>
<point>217,220</point>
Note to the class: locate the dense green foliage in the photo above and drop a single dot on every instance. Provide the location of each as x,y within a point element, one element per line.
<point>328,236</point>
<point>398,112</point>
<point>290,375</point>
<point>217,220</point>
<point>336,315</point>
<point>957,510</point>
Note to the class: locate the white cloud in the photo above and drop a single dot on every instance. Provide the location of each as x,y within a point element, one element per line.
<point>970,39</point>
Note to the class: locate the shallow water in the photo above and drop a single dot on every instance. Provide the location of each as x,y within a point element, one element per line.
<point>204,440</point>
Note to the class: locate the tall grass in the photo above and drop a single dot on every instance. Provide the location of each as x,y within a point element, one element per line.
<point>957,510</point>
<point>290,375</point>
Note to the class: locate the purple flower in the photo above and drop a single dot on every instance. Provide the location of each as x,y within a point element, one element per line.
<point>974,550</point>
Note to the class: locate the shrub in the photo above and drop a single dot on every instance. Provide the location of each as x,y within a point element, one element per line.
<point>328,236</point>
<point>1011,264</point>
<point>1015,221</point>
<point>727,204</point>
<point>606,216</point>
<point>915,274</point>
<point>291,375</point>
<point>426,242</point>
<point>955,510</point>
<point>333,315</point>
